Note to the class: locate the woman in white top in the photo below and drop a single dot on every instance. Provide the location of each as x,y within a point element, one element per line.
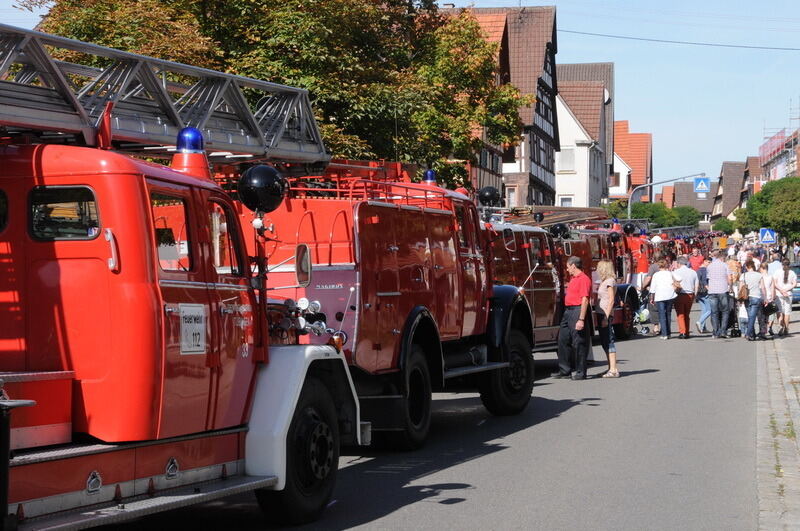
<point>662,293</point>
<point>785,282</point>
<point>765,321</point>
<point>755,290</point>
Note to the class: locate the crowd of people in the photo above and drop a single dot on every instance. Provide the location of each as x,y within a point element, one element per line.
<point>744,291</point>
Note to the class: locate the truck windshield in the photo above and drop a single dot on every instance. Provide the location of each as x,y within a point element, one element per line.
<point>63,213</point>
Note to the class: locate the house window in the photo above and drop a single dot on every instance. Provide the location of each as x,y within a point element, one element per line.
<point>613,180</point>
<point>565,160</point>
<point>566,201</point>
<point>511,196</point>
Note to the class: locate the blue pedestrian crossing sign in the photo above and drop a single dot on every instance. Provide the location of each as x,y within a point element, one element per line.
<point>766,235</point>
<point>702,185</point>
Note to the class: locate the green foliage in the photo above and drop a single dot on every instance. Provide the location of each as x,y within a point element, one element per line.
<point>657,213</point>
<point>742,223</point>
<point>391,79</point>
<point>777,205</point>
<point>687,216</point>
<point>724,225</point>
<point>617,209</point>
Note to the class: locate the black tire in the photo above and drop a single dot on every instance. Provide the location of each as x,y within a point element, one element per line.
<point>507,391</point>
<point>416,405</point>
<point>312,460</point>
<point>626,329</point>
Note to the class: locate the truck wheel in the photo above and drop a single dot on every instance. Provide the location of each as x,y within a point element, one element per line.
<point>507,391</point>
<point>416,406</point>
<point>312,460</point>
<point>625,329</point>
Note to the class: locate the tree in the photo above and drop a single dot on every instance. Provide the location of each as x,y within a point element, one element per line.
<point>724,225</point>
<point>617,209</point>
<point>687,216</point>
<point>392,79</point>
<point>777,205</point>
<point>742,222</point>
<point>657,213</point>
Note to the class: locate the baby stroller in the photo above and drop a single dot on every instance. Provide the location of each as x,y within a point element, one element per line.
<point>641,319</point>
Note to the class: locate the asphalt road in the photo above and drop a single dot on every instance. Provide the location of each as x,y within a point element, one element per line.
<point>669,445</point>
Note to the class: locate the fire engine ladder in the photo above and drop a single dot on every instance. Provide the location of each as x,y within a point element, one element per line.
<point>552,214</point>
<point>58,88</point>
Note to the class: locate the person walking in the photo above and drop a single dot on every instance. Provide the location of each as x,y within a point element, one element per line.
<point>775,265</point>
<point>785,282</point>
<point>764,320</point>
<point>754,282</point>
<point>573,335</point>
<point>662,293</point>
<point>648,279</point>
<point>696,260</point>
<point>719,284</point>
<point>702,296</point>
<point>606,294</point>
<point>687,278</point>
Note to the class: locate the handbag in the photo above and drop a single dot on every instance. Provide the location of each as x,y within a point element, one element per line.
<point>770,308</point>
<point>744,293</point>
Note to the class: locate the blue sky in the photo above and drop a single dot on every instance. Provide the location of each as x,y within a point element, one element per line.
<point>703,105</point>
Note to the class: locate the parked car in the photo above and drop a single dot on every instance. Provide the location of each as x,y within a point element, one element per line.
<point>796,291</point>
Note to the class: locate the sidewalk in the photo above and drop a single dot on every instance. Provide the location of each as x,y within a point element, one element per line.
<point>778,420</point>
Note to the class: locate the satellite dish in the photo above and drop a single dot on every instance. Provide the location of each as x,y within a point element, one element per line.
<point>606,96</point>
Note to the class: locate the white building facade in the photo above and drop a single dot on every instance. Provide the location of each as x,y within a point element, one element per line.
<point>581,171</point>
<point>620,179</point>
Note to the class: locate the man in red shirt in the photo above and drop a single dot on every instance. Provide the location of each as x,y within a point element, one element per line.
<point>696,260</point>
<point>573,336</point>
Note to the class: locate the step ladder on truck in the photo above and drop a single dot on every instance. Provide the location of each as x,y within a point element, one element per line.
<point>147,365</point>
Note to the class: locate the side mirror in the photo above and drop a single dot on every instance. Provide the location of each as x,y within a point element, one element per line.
<point>302,265</point>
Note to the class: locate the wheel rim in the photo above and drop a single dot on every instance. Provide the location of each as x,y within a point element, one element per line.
<point>417,403</point>
<point>517,372</point>
<point>316,447</point>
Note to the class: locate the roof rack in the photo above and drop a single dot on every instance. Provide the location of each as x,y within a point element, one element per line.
<point>242,119</point>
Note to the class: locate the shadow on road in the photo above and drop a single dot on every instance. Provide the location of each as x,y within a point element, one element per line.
<point>377,484</point>
<point>373,483</point>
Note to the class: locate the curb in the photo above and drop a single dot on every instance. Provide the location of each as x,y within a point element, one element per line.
<point>777,451</point>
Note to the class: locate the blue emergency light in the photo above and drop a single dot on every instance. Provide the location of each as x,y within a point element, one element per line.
<point>190,140</point>
<point>429,177</point>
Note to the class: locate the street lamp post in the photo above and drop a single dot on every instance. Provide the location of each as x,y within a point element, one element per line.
<point>648,185</point>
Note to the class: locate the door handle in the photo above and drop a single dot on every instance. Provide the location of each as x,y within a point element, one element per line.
<point>170,309</point>
<point>113,262</point>
<point>438,267</point>
<point>225,311</point>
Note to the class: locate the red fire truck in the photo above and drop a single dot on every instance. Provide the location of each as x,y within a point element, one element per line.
<point>406,270</point>
<point>536,259</point>
<point>145,367</point>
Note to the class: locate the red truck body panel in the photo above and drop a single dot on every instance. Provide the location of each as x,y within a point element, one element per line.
<point>70,310</point>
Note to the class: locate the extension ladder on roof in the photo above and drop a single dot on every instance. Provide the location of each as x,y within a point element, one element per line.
<point>242,119</point>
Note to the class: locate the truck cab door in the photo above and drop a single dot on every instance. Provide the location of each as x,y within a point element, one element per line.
<point>232,302</point>
<point>185,310</point>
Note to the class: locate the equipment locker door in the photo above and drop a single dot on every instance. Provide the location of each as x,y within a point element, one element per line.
<point>472,271</point>
<point>185,311</point>
<point>380,290</point>
<point>544,290</point>
<point>231,315</point>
